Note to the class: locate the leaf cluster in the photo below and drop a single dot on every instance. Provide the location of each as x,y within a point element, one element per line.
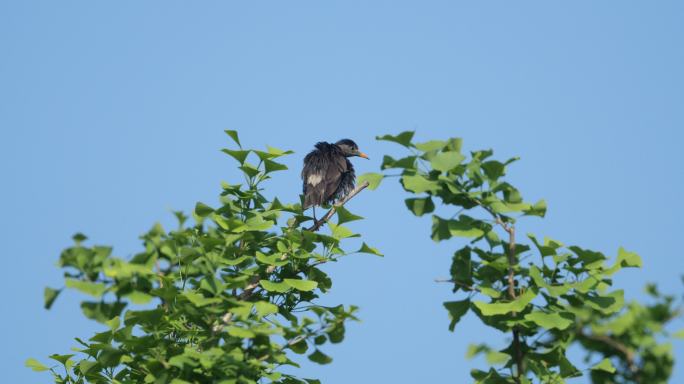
<point>229,299</point>
<point>542,293</point>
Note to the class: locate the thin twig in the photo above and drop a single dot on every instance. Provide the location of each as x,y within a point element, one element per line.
<point>464,285</point>
<point>319,223</point>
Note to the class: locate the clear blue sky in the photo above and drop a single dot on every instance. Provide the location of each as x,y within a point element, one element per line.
<point>111,115</point>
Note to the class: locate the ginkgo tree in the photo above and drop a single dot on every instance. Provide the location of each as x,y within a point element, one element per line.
<point>545,295</point>
<point>231,295</point>
<point>230,298</point>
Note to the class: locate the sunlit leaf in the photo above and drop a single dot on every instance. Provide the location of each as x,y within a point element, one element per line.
<point>301,285</point>
<point>604,365</point>
<point>551,320</point>
<point>502,308</point>
<point>433,145</point>
<point>419,184</point>
<point>274,287</point>
<point>446,161</point>
<point>373,179</point>
<point>35,365</point>
<point>365,248</point>
<point>264,308</point>
<point>88,287</point>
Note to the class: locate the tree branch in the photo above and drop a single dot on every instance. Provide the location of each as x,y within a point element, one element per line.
<point>616,345</point>
<point>318,224</point>
<point>249,289</point>
<point>517,348</point>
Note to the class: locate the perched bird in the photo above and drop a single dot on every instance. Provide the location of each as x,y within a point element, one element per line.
<point>328,175</point>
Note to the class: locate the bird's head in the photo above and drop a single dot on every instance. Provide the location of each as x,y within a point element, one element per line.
<point>349,148</point>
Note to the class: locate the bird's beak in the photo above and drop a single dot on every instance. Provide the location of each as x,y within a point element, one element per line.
<point>361,154</point>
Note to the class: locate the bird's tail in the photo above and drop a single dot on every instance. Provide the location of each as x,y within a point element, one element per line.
<point>312,197</point>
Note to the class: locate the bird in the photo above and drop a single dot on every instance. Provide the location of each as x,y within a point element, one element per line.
<point>328,175</point>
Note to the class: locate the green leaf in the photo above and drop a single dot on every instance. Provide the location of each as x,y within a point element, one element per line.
<point>446,161</point>
<point>552,320</point>
<point>62,359</point>
<point>272,166</point>
<point>604,365</point>
<point>86,366</point>
<point>607,304</point>
<point>255,223</point>
<point>503,308</point>
<point>344,216</point>
<point>203,210</point>
<point>249,169</point>
<point>554,290</point>
<point>35,365</point>
<point>496,357</point>
<point>101,311</point>
<point>264,308</point>
<point>274,287</point>
<point>538,209</point>
<point>299,347</point>
<point>493,169</point>
<point>240,332</point>
<point>87,287</point>
<point>548,248</point>
<point>278,152</point>
<point>679,334</point>
<point>420,206</point>
<point>365,248</point>
<point>373,179</point>
<point>628,259</point>
<point>114,323</point>
<point>233,135</point>
<point>274,259</point>
<point>465,226</point>
<point>320,357</point>
<point>456,310</point>
<point>433,145</point>
<point>419,184</point>
<point>408,162</point>
<point>199,300</point>
<point>49,296</point>
<point>137,297</point>
<point>403,138</point>
<point>79,238</point>
<point>237,261</point>
<point>301,285</point>
<point>238,155</point>
<point>109,357</point>
<point>340,231</point>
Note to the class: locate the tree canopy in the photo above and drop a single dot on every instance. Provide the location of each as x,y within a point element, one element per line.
<point>232,294</point>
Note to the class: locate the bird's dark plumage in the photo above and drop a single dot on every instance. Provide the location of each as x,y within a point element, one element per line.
<point>328,175</point>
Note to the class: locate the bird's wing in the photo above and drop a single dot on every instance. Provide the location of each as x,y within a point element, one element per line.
<point>318,177</point>
<point>337,168</point>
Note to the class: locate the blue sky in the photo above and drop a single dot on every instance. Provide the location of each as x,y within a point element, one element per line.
<point>112,115</point>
